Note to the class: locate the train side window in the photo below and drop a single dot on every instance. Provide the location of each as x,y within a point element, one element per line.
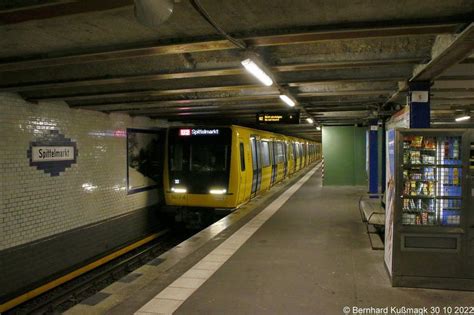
<point>253,150</point>
<point>279,153</point>
<point>265,154</point>
<point>242,157</point>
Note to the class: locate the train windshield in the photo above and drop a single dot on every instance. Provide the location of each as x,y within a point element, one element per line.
<point>199,159</point>
<point>209,157</point>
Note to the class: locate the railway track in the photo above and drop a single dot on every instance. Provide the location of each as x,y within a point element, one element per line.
<point>73,292</point>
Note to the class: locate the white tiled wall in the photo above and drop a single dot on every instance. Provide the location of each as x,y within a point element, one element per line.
<point>34,204</point>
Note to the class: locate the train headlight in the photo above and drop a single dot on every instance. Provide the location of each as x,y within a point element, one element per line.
<point>179,190</point>
<point>217,191</point>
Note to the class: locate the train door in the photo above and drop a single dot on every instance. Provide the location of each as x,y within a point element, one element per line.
<point>285,159</point>
<point>256,166</point>
<point>295,156</point>
<point>302,157</point>
<point>273,149</point>
<point>300,148</point>
<point>243,176</point>
<point>305,157</point>
<point>310,154</point>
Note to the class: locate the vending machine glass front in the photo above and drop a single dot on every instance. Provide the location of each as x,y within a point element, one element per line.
<point>432,180</point>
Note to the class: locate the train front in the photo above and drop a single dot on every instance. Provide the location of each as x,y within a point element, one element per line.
<point>199,167</point>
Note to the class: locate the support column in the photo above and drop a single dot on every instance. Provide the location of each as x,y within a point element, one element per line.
<point>373,158</point>
<point>419,100</point>
<point>383,160</point>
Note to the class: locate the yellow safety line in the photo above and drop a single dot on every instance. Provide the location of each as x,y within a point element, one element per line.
<point>50,285</point>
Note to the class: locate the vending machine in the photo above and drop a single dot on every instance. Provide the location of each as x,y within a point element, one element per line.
<point>429,240</point>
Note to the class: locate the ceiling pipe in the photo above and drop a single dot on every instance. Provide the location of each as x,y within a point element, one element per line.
<point>251,55</point>
<point>200,9</point>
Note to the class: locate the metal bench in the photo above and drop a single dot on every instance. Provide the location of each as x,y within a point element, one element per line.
<point>372,212</point>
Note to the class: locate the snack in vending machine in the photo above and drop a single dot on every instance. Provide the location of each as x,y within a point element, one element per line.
<point>446,149</point>
<point>455,177</point>
<point>415,157</point>
<point>424,218</point>
<point>431,219</point>
<point>429,143</point>
<point>416,141</point>
<point>455,149</point>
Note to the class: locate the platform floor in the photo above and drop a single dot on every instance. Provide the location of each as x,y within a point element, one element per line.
<point>308,255</point>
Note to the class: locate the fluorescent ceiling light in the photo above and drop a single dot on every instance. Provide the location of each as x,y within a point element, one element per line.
<point>255,70</point>
<point>463,117</point>
<point>310,120</point>
<point>218,191</point>
<point>287,100</point>
<point>179,190</point>
<point>318,128</point>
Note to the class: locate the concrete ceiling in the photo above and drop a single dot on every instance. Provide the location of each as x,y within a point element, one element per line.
<point>345,61</point>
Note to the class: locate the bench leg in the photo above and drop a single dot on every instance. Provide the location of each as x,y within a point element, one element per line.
<point>362,216</point>
<point>369,234</point>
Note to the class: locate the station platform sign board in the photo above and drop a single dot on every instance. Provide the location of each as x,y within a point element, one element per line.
<point>291,117</point>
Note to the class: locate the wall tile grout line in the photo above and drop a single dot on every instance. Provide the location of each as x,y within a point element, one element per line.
<point>173,296</point>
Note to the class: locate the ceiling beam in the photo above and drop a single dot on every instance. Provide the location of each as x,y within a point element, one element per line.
<point>120,80</point>
<point>459,49</point>
<point>454,98</point>
<point>341,104</point>
<point>450,102</point>
<point>198,74</point>
<point>452,90</point>
<point>56,9</point>
<point>316,111</point>
<point>182,102</point>
<point>171,110</point>
<point>322,107</point>
<point>344,93</point>
<point>310,106</point>
<point>229,88</point>
<point>263,41</point>
<point>213,113</point>
<point>271,96</point>
<point>151,93</point>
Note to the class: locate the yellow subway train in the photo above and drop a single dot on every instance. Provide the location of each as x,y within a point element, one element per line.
<point>224,167</point>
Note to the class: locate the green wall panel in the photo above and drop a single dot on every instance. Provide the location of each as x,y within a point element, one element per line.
<point>344,156</point>
<point>360,173</point>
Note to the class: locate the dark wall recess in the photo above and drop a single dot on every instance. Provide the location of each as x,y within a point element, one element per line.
<point>30,265</point>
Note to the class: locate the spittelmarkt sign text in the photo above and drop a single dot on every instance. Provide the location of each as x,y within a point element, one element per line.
<point>52,153</point>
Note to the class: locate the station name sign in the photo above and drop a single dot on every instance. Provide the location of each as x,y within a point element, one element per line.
<point>292,117</point>
<point>50,153</point>
<point>186,132</point>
